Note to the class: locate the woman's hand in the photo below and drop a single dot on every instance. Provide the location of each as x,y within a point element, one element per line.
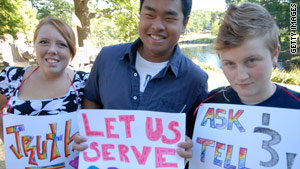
<point>77,143</point>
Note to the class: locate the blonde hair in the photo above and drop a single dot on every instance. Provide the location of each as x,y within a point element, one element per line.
<point>249,20</point>
<point>64,29</point>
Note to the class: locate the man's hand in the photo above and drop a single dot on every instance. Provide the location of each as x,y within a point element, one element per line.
<point>77,143</point>
<point>187,145</point>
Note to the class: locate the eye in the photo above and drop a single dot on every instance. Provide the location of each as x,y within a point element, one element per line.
<point>148,15</point>
<point>252,62</point>
<point>228,64</point>
<point>43,42</point>
<point>171,19</point>
<point>63,45</point>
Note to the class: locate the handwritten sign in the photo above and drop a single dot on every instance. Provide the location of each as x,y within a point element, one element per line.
<point>127,139</point>
<point>244,137</point>
<point>37,142</point>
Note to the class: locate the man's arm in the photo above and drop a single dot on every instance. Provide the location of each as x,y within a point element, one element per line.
<point>87,104</point>
<point>78,140</point>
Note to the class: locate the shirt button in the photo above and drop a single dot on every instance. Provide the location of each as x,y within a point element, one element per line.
<point>134,97</point>
<point>135,74</point>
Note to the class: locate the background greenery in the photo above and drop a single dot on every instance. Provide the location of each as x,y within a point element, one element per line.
<point>113,21</point>
<point>107,22</point>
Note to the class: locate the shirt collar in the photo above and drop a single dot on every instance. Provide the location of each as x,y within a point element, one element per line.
<point>174,61</point>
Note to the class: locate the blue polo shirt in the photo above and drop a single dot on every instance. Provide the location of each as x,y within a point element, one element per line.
<point>114,82</point>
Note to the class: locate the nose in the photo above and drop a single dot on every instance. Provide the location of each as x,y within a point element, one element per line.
<point>52,50</point>
<point>158,24</point>
<point>242,73</point>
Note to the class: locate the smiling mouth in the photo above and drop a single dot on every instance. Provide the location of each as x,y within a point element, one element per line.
<point>156,37</point>
<point>52,60</point>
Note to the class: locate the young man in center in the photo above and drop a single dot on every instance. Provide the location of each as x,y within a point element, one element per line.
<point>150,73</point>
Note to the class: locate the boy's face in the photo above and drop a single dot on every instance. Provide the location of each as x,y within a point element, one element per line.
<point>160,26</point>
<point>248,69</point>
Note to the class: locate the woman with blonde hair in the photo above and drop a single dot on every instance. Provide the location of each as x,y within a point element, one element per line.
<point>50,88</point>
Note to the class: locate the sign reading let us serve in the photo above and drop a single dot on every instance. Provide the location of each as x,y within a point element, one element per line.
<point>127,139</point>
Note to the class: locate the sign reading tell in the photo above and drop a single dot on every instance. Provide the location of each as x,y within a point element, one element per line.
<point>243,137</point>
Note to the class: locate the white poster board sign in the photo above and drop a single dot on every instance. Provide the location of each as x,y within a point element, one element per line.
<point>128,139</point>
<point>35,142</point>
<point>242,137</point>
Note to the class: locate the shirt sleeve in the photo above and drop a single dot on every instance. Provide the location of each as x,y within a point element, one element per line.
<point>91,90</point>
<point>10,80</point>
<point>79,83</point>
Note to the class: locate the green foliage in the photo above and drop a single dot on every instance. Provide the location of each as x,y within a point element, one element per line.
<point>199,21</point>
<point>58,8</point>
<point>103,32</point>
<point>287,77</point>
<point>17,16</point>
<point>127,20</point>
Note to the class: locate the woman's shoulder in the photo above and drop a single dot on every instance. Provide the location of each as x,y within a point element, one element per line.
<point>12,73</point>
<point>81,75</point>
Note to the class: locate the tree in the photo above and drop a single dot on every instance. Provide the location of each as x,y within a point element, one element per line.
<point>123,12</point>
<point>17,16</point>
<point>58,8</point>
<point>199,20</point>
<point>280,10</point>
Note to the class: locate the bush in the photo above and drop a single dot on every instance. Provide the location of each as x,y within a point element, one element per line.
<point>287,77</point>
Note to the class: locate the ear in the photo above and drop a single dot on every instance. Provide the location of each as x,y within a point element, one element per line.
<point>185,24</point>
<point>276,54</point>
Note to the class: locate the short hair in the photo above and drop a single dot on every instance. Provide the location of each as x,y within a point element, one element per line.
<point>186,6</point>
<point>64,29</point>
<point>247,21</point>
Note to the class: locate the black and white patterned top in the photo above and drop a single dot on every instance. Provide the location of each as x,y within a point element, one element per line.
<point>11,78</point>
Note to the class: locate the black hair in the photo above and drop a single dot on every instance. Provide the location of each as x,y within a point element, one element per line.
<point>186,8</point>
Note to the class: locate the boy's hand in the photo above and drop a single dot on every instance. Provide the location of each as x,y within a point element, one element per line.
<point>187,145</point>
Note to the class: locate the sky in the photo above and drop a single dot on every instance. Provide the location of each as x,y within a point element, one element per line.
<point>209,5</point>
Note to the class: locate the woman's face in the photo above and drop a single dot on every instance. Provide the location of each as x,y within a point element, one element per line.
<point>52,50</point>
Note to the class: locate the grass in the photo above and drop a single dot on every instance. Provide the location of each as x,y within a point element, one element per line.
<point>287,77</point>
<point>199,41</point>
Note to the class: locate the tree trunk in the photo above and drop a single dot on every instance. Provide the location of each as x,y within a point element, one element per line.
<point>83,14</point>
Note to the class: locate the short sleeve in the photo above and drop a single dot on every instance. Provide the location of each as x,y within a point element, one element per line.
<point>80,82</point>
<point>10,78</point>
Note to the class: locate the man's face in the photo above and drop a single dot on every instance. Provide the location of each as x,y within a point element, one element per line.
<point>160,26</point>
<point>248,69</point>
